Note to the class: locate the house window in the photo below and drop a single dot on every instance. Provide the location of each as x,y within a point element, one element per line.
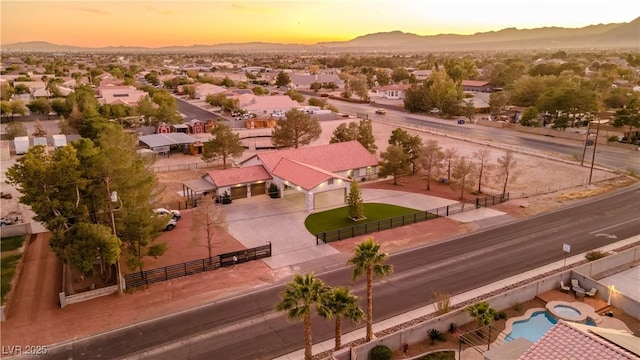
<point>356,172</point>
<point>371,170</point>
<point>330,182</point>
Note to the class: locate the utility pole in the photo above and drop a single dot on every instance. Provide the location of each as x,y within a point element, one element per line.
<point>586,140</point>
<point>593,157</point>
<point>113,197</point>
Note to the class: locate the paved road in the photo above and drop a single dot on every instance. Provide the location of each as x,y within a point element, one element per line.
<point>611,157</point>
<point>193,112</point>
<point>248,328</point>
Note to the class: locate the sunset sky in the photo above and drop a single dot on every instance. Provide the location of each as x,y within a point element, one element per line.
<point>162,23</point>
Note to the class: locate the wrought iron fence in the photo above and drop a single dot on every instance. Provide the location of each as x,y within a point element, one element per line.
<point>165,273</point>
<point>390,223</point>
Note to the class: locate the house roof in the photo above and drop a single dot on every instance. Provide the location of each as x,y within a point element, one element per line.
<point>394,87</point>
<point>199,186</point>
<point>302,79</point>
<point>303,175</point>
<point>263,103</point>
<point>331,157</point>
<point>157,140</point>
<point>474,83</point>
<point>241,175</point>
<point>565,341</point>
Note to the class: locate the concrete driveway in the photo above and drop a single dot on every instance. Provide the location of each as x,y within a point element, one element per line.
<point>258,220</point>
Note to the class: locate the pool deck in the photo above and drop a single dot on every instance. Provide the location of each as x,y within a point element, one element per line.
<point>595,302</point>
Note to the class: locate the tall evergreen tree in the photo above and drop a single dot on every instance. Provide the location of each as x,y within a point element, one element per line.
<point>354,201</point>
<point>298,128</point>
<point>224,144</point>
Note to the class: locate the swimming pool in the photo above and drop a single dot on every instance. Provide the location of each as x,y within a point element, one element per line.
<point>534,327</point>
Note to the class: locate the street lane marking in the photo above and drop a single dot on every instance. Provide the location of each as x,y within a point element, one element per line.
<point>612,226</point>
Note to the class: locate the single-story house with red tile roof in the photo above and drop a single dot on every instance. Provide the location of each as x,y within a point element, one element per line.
<point>240,182</point>
<point>310,170</point>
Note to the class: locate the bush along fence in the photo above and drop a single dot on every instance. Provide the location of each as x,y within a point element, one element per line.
<point>165,273</point>
<point>390,223</point>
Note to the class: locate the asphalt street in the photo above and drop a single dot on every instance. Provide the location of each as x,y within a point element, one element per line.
<point>247,327</point>
<point>607,156</point>
<point>191,111</point>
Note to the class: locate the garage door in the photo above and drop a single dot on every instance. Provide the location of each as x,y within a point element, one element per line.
<point>258,189</point>
<point>239,192</point>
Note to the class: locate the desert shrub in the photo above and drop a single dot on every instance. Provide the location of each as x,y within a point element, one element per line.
<point>500,315</point>
<point>453,327</point>
<point>595,255</point>
<point>226,198</point>
<point>442,302</point>
<point>273,191</point>
<point>612,138</point>
<point>380,352</point>
<point>482,312</point>
<point>517,306</point>
<point>435,335</point>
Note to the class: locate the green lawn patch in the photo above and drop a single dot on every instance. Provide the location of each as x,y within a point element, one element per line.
<point>11,243</point>
<point>339,218</point>
<point>8,266</point>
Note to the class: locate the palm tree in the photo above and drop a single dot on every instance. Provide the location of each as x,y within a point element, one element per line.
<point>368,260</point>
<point>341,305</point>
<point>300,295</point>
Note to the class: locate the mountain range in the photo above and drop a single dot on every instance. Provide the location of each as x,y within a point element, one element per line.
<point>601,36</point>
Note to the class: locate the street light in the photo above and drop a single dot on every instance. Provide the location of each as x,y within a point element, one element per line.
<point>612,289</point>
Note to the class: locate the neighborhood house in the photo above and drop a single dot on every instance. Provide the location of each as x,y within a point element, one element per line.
<point>309,170</point>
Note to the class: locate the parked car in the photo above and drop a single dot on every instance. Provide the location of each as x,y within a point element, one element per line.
<point>434,110</point>
<point>175,214</point>
<point>171,224</point>
<point>381,111</point>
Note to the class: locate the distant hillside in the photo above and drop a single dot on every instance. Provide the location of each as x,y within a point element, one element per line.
<point>624,35</point>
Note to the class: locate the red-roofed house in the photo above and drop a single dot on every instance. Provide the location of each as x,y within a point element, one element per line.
<point>310,170</point>
<point>239,182</point>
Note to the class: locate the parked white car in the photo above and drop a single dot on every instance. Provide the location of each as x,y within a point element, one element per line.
<point>175,214</point>
<point>171,224</point>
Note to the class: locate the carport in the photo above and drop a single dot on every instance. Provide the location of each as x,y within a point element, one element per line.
<point>194,189</point>
<point>162,143</point>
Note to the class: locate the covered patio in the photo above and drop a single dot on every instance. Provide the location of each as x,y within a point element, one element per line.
<point>196,188</point>
<point>162,143</point>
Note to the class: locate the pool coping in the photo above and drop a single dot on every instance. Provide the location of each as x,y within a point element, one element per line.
<point>508,326</point>
<point>587,311</point>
